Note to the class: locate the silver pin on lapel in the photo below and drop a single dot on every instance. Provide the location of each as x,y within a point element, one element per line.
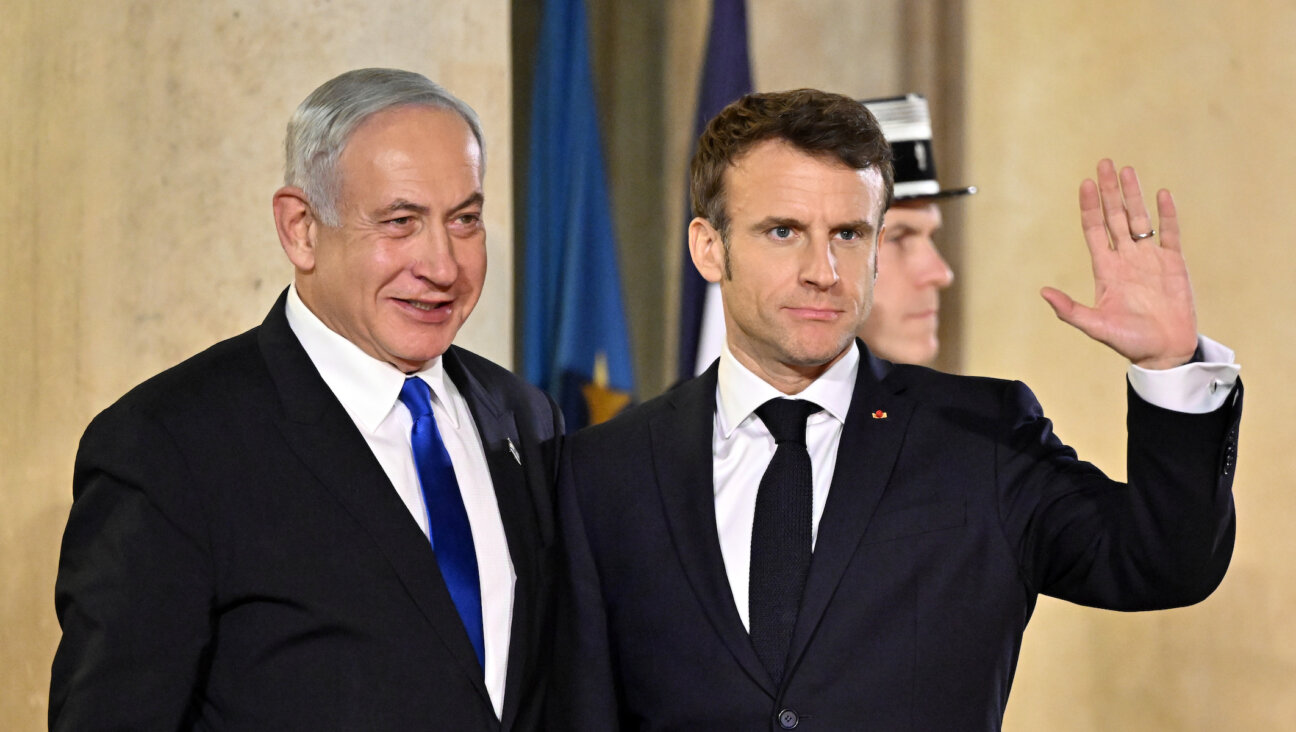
<point>513,450</point>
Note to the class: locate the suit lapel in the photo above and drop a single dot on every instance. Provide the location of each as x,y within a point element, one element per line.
<point>681,449</point>
<point>318,429</point>
<point>497,428</point>
<point>865,458</point>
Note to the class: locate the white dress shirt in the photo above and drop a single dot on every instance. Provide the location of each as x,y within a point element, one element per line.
<point>742,447</point>
<point>369,390</point>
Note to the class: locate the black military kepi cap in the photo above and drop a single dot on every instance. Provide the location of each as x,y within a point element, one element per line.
<point>906,124</point>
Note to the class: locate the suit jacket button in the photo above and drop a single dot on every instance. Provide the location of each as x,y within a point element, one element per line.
<point>788,719</point>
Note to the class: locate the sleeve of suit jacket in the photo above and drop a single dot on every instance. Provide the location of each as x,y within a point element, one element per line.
<point>1163,539</point>
<point>133,593</point>
<point>585,694</point>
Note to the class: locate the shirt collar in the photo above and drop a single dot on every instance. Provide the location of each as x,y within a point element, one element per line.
<point>366,387</point>
<point>740,392</point>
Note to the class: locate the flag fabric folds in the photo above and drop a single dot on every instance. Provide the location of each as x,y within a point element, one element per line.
<point>726,76</point>
<point>575,342</point>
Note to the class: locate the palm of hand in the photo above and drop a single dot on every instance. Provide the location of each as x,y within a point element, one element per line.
<point>1143,301</point>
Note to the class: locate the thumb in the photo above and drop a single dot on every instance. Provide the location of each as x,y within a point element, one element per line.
<point>1069,311</point>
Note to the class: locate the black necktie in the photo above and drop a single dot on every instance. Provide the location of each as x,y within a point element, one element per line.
<point>780,549</point>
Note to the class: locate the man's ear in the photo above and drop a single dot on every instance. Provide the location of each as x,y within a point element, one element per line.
<point>296,225</point>
<point>706,248</point>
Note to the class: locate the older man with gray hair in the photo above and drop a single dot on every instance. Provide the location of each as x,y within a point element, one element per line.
<point>338,519</point>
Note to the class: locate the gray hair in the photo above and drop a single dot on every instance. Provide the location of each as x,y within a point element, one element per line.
<point>322,125</point>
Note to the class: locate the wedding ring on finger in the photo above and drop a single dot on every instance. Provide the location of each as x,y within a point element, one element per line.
<point>1139,237</point>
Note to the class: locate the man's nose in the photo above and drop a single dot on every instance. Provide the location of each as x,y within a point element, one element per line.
<point>819,264</point>
<point>434,257</point>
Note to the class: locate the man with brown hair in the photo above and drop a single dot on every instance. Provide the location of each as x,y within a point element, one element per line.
<point>806,536</point>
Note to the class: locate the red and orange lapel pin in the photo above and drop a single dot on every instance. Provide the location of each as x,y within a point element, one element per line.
<point>879,414</point>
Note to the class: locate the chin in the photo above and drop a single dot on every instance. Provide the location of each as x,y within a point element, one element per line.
<point>421,343</point>
<point>414,359</point>
<point>817,355</point>
<point>429,354</point>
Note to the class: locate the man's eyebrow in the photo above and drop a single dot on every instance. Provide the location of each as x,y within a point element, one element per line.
<point>403,205</point>
<point>400,205</point>
<point>863,225</point>
<point>772,222</point>
<point>476,199</point>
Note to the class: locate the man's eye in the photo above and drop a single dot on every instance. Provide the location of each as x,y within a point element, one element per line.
<point>781,232</point>
<point>467,224</point>
<point>849,234</point>
<point>400,220</point>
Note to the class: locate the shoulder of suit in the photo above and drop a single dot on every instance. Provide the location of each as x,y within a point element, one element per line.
<point>484,369</point>
<point>226,379</point>
<point>691,393</point>
<point>923,385</point>
<point>938,388</point>
<point>213,374</point>
<point>495,378</point>
<point>924,377</point>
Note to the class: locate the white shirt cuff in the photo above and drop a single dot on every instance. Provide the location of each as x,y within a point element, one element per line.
<point>1194,388</point>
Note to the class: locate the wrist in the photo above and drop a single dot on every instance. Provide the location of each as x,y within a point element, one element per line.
<point>1171,362</point>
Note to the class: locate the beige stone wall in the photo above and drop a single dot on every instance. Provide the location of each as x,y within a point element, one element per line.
<point>139,146</point>
<point>1197,97</point>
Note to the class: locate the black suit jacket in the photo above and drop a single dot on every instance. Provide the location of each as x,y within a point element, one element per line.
<point>945,519</point>
<point>236,558</point>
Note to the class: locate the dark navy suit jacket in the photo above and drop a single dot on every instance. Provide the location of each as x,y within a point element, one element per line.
<point>236,558</point>
<point>945,520</point>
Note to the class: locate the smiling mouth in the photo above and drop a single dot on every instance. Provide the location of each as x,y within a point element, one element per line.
<point>424,304</point>
<point>428,312</point>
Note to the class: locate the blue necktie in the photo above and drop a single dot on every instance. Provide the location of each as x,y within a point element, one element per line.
<point>451,535</point>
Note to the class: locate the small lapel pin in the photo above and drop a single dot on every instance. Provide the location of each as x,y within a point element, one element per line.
<point>879,414</point>
<point>513,450</point>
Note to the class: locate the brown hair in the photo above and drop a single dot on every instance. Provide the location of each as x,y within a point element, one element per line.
<point>817,122</point>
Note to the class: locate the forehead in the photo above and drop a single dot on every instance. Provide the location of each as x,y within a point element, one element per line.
<point>777,173</point>
<point>410,140</point>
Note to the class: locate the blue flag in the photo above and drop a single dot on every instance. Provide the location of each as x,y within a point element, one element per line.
<point>575,342</point>
<point>726,76</point>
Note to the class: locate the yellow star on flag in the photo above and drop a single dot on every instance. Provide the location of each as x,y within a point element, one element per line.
<point>603,403</point>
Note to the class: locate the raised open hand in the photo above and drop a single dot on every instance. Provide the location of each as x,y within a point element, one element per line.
<point>1143,302</point>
